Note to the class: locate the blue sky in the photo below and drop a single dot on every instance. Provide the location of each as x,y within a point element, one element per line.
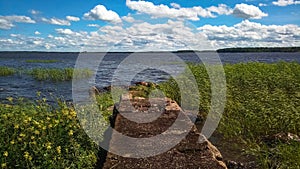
<point>131,25</point>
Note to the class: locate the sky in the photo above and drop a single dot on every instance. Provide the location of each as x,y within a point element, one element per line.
<point>136,25</point>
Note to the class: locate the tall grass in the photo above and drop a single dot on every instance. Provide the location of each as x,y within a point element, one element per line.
<point>6,71</point>
<point>262,100</point>
<point>65,74</point>
<point>41,61</point>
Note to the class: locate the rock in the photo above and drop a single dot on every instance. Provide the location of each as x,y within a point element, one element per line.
<point>187,154</point>
<point>234,165</point>
<point>93,92</point>
<point>107,88</point>
<point>147,84</point>
<point>281,138</point>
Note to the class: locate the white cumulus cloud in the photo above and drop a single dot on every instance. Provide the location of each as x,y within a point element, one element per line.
<point>262,4</point>
<point>93,25</point>
<point>100,12</point>
<point>285,2</point>
<point>37,33</point>
<point>221,9</point>
<point>128,18</point>
<point>56,21</point>
<point>73,18</point>
<point>253,34</point>
<point>7,22</point>
<point>175,5</point>
<point>177,12</point>
<point>64,31</point>
<point>246,11</point>
<point>34,12</point>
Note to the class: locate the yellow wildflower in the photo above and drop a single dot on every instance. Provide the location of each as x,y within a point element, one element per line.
<point>22,135</point>
<point>36,132</point>
<point>35,122</point>
<point>10,99</point>
<point>5,154</point>
<point>32,137</point>
<point>58,149</point>
<point>16,126</point>
<point>12,142</point>
<point>73,113</point>
<point>34,142</point>
<point>48,118</point>
<point>70,133</point>
<point>65,112</point>
<point>25,121</point>
<point>48,145</point>
<point>3,165</point>
<point>29,118</point>
<point>27,155</point>
<point>4,116</point>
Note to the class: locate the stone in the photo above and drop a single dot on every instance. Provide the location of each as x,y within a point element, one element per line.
<point>281,138</point>
<point>187,154</point>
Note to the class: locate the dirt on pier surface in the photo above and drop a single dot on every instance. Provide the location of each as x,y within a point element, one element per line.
<point>133,117</point>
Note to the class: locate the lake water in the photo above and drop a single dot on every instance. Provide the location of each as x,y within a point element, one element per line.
<point>22,85</point>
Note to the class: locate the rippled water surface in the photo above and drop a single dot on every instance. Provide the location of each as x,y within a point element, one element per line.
<point>22,85</point>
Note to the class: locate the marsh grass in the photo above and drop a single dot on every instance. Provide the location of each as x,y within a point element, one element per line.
<point>41,61</point>
<point>6,71</point>
<point>262,100</point>
<point>65,74</point>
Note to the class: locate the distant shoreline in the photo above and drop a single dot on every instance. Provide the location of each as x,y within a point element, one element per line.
<point>225,50</point>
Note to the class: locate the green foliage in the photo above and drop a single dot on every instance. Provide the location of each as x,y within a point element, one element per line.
<point>282,156</point>
<point>65,74</point>
<point>41,61</point>
<point>142,91</point>
<point>6,71</point>
<point>37,135</point>
<point>105,102</point>
<point>262,99</point>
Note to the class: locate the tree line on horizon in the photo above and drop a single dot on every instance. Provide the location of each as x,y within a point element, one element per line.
<point>260,49</point>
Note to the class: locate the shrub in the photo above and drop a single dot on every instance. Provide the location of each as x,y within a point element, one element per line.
<point>38,135</point>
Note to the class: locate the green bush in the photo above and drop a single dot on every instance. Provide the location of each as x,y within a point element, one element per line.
<point>37,135</point>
